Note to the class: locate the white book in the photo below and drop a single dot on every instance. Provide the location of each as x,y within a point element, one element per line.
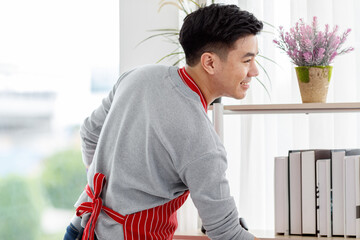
<point>349,196</point>
<point>357,195</point>
<point>281,196</point>
<point>337,159</point>
<point>338,193</point>
<point>324,197</point>
<point>308,197</point>
<point>295,193</point>
<point>308,188</point>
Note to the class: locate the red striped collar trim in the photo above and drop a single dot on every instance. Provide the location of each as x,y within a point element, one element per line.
<point>192,85</point>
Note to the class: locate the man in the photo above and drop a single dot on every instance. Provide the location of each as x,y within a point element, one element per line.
<point>151,143</point>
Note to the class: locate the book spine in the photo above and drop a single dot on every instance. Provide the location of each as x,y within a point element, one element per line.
<point>295,193</point>
<point>337,193</point>
<point>357,195</point>
<point>281,196</point>
<point>308,192</point>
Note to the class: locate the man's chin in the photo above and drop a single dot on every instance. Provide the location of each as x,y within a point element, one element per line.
<point>240,96</point>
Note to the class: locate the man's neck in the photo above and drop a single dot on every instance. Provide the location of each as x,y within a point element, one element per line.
<point>202,81</point>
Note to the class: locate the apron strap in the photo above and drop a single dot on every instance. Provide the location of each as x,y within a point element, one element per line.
<point>95,207</point>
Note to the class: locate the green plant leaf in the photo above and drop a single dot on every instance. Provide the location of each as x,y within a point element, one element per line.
<point>178,61</point>
<point>175,30</point>
<point>269,32</point>
<point>197,4</point>
<point>157,35</point>
<point>270,25</point>
<point>264,70</point>
<point>169,55</point>
<point>179,5</point>
<point>264,87</point>
<point>163,3</point>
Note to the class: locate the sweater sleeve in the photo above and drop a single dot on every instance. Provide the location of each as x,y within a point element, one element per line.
<point>92,125</point>
<point>209,190</point>
<point>91,128</point>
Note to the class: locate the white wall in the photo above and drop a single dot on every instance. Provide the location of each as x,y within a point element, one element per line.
<point>136,19</point>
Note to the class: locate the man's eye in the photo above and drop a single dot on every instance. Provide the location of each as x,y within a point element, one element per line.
<point>247,61</point>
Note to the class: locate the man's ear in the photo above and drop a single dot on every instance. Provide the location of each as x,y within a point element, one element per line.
<point>208,62</point>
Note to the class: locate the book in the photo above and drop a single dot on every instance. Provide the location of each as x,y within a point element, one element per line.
<point>349,195</point>
<point>337,184</point>
<point>337,157</point>
<point>281,195</point>
<point>357,196</point>
<point>308,188</point>
<point>294,192</point>
<point>323,178</point>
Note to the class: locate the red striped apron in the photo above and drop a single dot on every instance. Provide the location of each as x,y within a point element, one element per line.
<point>156,223</point>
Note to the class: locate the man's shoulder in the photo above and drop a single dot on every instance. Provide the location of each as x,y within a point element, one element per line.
<point>153,68</point>
<point>153,72</point>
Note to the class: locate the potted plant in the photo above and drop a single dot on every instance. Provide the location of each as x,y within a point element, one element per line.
<point>312,51</point>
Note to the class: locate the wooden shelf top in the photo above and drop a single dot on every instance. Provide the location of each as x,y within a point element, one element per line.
<point>292,108</point>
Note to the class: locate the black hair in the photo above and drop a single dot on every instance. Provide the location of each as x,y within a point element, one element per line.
<point>215,28</point>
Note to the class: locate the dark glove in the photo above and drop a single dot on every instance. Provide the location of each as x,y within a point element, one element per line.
<point>241,221</point>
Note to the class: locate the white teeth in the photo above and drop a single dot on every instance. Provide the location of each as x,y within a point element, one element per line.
<point>244,83</point>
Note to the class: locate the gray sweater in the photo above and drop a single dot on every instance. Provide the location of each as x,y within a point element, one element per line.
<point>153,140</point>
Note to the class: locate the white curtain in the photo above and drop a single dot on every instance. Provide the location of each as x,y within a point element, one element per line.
<point>252,141</point>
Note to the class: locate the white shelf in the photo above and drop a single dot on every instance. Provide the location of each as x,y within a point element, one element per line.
<point>220,110</point>
<point>292,108</point>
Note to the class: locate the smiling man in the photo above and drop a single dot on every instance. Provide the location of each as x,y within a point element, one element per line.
<point>229,76</point>
<point>150,143</point>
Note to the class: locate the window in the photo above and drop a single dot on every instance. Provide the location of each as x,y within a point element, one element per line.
<point>57,59</point>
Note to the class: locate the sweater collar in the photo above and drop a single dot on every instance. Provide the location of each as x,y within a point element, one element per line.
<point>192,85</point>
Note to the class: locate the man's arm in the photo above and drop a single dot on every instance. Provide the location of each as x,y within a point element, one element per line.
<point>91,128</point>
<point>209,189</point>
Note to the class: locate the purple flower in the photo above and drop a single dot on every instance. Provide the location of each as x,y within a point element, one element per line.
<point>335,42</point>
<point>306,45</point>
<point>307,57</point>
<point>349,49</point>
<point>335,29</point>
<point>314,23</point>
<point>320,55</point>
<point>333,55</point>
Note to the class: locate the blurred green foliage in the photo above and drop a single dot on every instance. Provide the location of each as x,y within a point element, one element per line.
<point>64,178</point>
<point>22,198</point>
<point>20,211</point>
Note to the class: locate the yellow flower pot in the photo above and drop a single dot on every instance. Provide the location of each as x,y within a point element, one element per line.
<point>313,83</point>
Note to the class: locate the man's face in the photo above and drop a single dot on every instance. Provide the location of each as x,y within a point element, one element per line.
<point>235,72</point>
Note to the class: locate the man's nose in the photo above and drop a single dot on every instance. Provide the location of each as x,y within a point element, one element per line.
<point>254,71</point>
